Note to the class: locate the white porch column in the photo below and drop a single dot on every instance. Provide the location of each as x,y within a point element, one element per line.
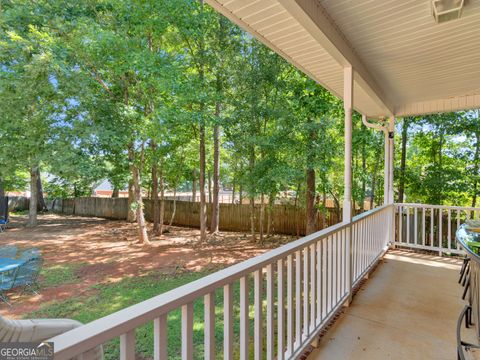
<point>391,139</point>
<point>347,194</point>
<point>391,144</point>
<point>386,168</point>
<point>348,106</point>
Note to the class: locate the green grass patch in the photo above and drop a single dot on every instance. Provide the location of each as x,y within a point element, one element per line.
<point>60,274</point>
<point>113,297</point>
<point>19,212</point>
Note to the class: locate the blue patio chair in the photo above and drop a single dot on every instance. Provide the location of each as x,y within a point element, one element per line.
<point>27,275</point>
<point>8,252</point>
<point>4,219</point>
<point>29,254</point>
<point>7,280</point>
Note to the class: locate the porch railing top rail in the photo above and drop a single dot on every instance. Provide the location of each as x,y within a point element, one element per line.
<point>102,330</point>
<point>446,207</point>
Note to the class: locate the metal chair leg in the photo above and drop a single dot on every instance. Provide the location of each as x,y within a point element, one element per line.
<point>468,318</point>
<point>464,267</point>
<point>467,272</point>
<point>466,289</point>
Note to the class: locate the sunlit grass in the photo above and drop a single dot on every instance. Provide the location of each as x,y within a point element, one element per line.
<point>60,274</point>
<point>109,298</point>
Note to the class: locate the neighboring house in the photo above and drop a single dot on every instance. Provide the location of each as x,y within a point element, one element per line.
<point>18,193</point>
<point>105,189</point>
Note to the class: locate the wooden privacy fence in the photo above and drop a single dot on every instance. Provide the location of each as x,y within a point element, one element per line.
<point>18,203</point>
<point>285,219</point>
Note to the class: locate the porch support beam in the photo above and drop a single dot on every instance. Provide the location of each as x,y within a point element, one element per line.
<point>348,107</point>
<point>314,18</point>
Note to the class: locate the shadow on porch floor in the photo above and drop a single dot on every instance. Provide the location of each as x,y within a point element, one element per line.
<point>407,310</point>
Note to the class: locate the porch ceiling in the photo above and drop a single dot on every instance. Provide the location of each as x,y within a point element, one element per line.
<point>405,63</point>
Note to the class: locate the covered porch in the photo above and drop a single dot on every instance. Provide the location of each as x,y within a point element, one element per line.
<point>386,60</point>
<point>409,308</point>
<point>326,296</point>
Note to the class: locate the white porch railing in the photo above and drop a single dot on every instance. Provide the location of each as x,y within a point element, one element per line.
<point>431,227</point>
<point>297,289</point>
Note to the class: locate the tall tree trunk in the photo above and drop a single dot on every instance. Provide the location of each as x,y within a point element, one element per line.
<point>297,220</point>
<point>41,206</point>
<point>233,192</point>
<point>240,194</point>
<point>216,177</point>
<point>271,202</point>
<point>194,186</point>
<point>324,210</point>
<point>115,192</point>
<point>203,205</point>
<point>174,210</point>
<point>252,218</point>
<point>155,203</point>
<point>374,180</point>
<point>476,168</point>
<point>32,211</point>
<point>209,179</point>
<point>364,175</point>
<point>261,220</point>
<point>311,213</point>
<point>137,190</point>
<point>439,195</point>
<point>403,161</point>
<point>162,198</point>
<point>131,215</point>
<point>252,195</point>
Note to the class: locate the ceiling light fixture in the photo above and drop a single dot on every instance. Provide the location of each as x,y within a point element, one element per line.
<point>446,10</point>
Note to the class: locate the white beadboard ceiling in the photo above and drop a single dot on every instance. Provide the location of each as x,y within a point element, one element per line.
<point>404,62</point>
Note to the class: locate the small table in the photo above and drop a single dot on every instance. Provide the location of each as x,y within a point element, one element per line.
<point>7,264</point>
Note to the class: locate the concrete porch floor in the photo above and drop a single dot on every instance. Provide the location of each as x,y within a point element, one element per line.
<point>408,309</point>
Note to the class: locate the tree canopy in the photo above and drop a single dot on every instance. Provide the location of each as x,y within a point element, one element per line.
<point>163,95</point>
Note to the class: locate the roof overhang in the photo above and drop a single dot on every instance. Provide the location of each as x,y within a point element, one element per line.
<point>405,63</point>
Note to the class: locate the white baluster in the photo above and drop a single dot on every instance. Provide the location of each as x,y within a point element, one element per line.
<point>127,346</point>
<point>313,294</point>
<point>290,306</point>
<point>258,347</point>
<point>270,314</point>
<point>228,322</point>
<point>298,299</point>
<point>280,311</point>
<point>306,271</point>
<point>209,326</point>
<point>424,224</point>
<point>187,331</point>
<point>160,338</point>
<point>244,317</point>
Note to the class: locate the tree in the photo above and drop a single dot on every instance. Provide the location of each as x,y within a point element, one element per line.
<point>28,92</point>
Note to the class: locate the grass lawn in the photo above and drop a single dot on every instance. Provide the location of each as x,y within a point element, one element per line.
<point>93,268</point>
<point>104,299</point>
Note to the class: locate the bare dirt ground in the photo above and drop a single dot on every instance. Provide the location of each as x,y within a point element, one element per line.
<point>108,252</point>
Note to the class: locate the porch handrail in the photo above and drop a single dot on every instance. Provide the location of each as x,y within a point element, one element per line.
<point>446,207</point>
<point>431,227</point>
<point>311,248</point>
